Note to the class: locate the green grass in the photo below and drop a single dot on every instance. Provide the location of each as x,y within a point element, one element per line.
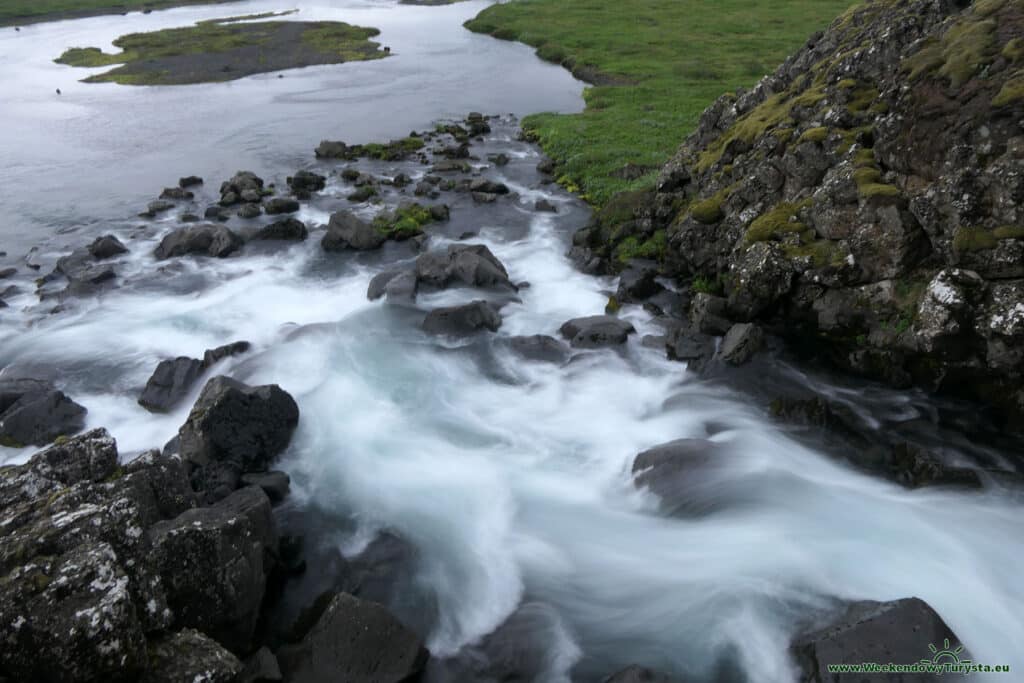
<point>141,53</point>
<point>28,11</point>
<point>667,61</point>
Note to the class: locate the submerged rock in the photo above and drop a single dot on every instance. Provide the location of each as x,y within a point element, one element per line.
<point>286,229</point>
<point>34,413</point>
<point>359,638</point>
<point>464,320</point>
<point>639,674</point>
<point>106,246</point>
<point>305,183</point>
<point>541,348</point>
<point>279,205</point>
<point>173,379</point>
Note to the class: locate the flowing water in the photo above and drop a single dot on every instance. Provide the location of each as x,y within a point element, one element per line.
<point>510,479</point>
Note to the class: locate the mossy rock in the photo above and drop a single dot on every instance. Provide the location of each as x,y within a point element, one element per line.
<point>970,239</point>
<point>776,222</point>
<point>819,134</point>
<point>1012,90</point>
<point>652,248</point>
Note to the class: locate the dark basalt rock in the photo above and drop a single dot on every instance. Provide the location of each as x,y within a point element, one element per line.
<point>190,181</point>
<point>245,186</point>
<point>200,240</point>
<point>305,183</point>
<point>347,231</point>
<point>279,205</point>
<point>597,331</point>
<point>34,412</point>
<point>189,656</point>
<point>262,667</point>
<point>286,229</point>
<point>213,563</point>
<point>639,674</point>
<point>235,429</point>
<point>333,149</point>
<point>462,321</point>
<point>684,474</point>
<point>638,281</point>
<point>545,206</point>
<point>485,186</point>
<point>540,348</point>
<point>176,193</point>
<point>468,264</point>
<point>249,211</point>
<point>357,637</point>
<point>741,342</point>
<point>275,484</point>
<point>173,379</point>
<point>157,207</point>
<point>216,213</point>
<point>107,246</point>
<point>900,631</point>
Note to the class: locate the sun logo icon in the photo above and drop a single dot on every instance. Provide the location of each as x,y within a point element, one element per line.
<point>947,655</point>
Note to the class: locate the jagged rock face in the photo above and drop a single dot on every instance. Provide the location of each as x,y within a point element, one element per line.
<point>878,169</point>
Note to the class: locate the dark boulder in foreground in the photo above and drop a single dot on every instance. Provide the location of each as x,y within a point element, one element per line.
<point>189,656</point>
<point>174,378</point>
<point>34,413</point>
<point>356,637</point>
<point>676,471</point>
<point>901,631</point>
<point>639,674</point>
<point>213,563</point>
<point>741,342</point>
<point>468,264</point>
<point>235,429</point>
<point>597,331</point>
<point>201,240</point>
<point>347,231</point>
<point>244,186</point>
<point>286,229</point>
<point>462,321</point>
<point>305,183</point>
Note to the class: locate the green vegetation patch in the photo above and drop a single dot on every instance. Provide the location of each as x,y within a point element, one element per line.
<point>869,183</point>
<point>968,239</point>
<point>1012,90</point>
<point>652,248</point>
<point>406,221</point>
<point>225,49</point>
<point>780,219</point>
<point>968,44</point>
<point>814,135</point>
<point>709,210</point>
<point>656,65</point>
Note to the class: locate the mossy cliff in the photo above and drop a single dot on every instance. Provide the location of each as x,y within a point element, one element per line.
<point>867,198</point>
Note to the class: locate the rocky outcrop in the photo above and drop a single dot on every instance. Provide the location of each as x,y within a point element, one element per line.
<point>34,413</point>
<point>190,656</point>
<point>464,320</point>
<point>472,265</point>
<point>867,195</point>
<point>347,231</point>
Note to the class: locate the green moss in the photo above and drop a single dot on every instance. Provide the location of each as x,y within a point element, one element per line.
<point>709,210</point>
<point>8,442</point>
<point>968,239</point>
<point>821,252</point>
<point>862,99</point>
<point>1014,50</point>
<point>963,49</point>
<point>869,183</point>
<point>1012,90</point>
<point>846,84</point>
<point>404,222</point>
<point>864,158</point>
<point>814,135</point>
<point>777,221</point>
<point>704,285</point>
<point>652,248</point>
<point>613,306</point>
<point>1009,232</point>
<point>91,57</point>
<point>396,150</point>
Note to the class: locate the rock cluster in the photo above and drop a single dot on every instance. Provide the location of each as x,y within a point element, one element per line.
<point>866,195</point>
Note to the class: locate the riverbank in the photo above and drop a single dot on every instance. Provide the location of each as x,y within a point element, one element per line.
<point>655,68</point>
<point>22,12</point>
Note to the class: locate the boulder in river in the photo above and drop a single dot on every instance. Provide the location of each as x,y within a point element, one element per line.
<point>235,429</point>
<point>243,186</point>
<point>157,207</point>
<point>205,239</point>
<point>683,474</point>
<point>249,210</point>
<point>487,186</point>
<point>305,183</point>
<point>286,229</point>
<point>359,638</point>
<point>597,331</point>
<point>190,181</point>
<point>638,281</point>
<point>741,342</point>
<point>541,348</point>
<point>106,246</point>
<point>174,378</point>
<point>468,264</point>
<point>347,231</point>
<point>177,194</point>
<point>901,631</point>
<point>464,320</point>
<point>34,412</point>
<point>545,206</point>
<point>279,205</point>
<point>334,149</point>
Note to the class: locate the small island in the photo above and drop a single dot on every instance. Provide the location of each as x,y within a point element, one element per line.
<point>226,49</point>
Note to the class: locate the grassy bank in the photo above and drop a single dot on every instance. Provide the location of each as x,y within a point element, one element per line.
<point>222,50</point>
<point>657,64</point>
<point>13,12</point>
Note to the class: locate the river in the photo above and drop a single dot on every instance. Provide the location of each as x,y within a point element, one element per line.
<point>510,479</point>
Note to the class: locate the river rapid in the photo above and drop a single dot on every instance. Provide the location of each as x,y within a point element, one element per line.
<point>508,479</point>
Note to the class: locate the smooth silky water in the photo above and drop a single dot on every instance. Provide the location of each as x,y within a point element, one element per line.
<point>510,478</point>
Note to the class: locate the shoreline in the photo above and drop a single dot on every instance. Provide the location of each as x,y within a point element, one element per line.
<point>27,20</point>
